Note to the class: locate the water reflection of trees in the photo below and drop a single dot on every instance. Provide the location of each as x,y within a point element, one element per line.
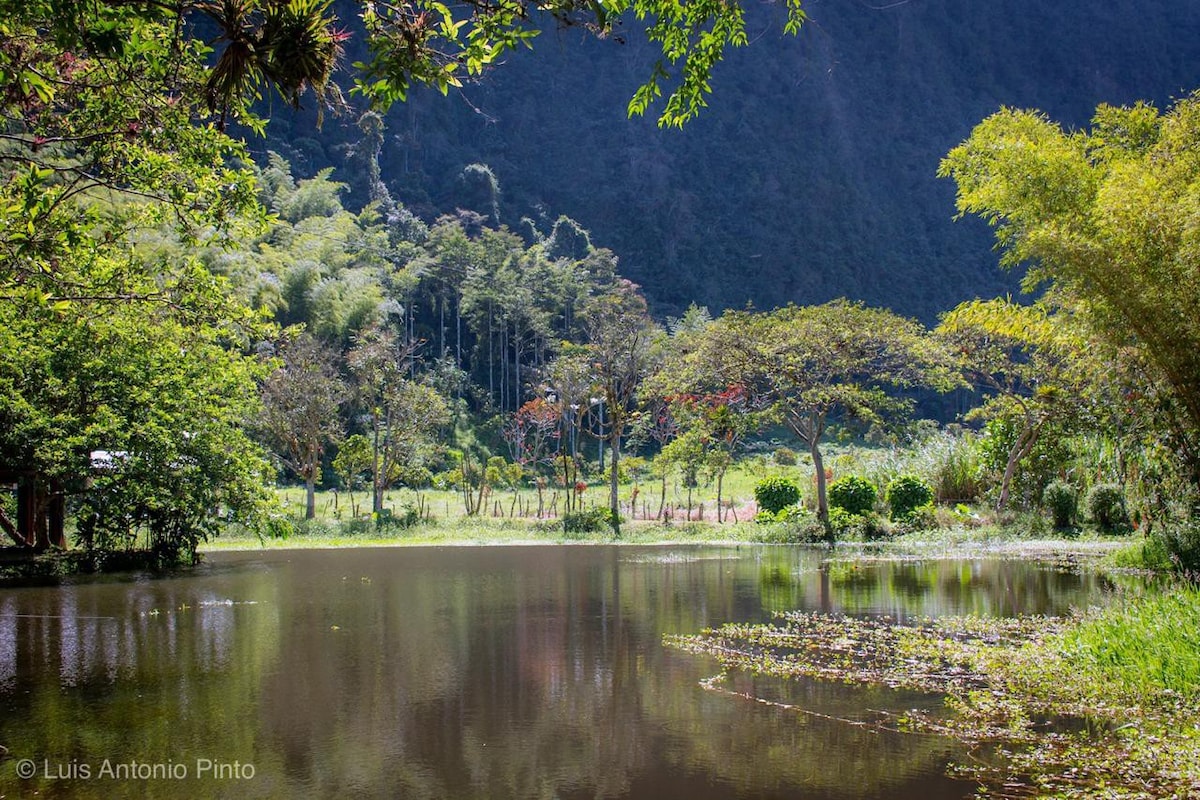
<point>511,672</point>
<point>151,671</point>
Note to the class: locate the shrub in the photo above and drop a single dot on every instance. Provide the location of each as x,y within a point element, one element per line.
<point>407,516</point>
<point>1181,541</point>
<point>776,494</point>
<point>414,477</point>
<point>924,518</point>
<point>864,527</point>
<point>1105,505</point>
<point>1173,546</point>
<point>853,494</point>
<point>906,494</point>
<point>785,457</point>
<point>793,525</point>
<point>1060,498</point>
<point>592,520</point>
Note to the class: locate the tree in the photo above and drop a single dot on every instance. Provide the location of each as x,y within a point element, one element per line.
<point>1029,364</point>
<point>571,381</point>
<point>301,403</point>
<point>1108,218</point>
<point>431,43</point>
<point>529,433</point>
<point>136,411</point>
<point>813,362</point>
<point>720,422</point>
<point>403,415</point>
<point>620,335</point>
<point>354,457</point>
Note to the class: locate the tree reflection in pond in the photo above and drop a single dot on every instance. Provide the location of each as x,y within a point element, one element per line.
<point>473,673</point>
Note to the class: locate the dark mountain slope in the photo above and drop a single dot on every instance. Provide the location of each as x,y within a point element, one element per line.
<point>812,174</point>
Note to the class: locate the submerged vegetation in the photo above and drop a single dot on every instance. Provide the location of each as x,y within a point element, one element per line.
<point>1099,705</point>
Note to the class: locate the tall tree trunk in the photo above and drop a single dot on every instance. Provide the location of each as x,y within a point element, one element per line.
<point>1020,449</point>
<point>442,326</point>
<point>517,367</point>
<point>814,447</point>
<point>720,481</point>
<point>376,476</point>
<point>613,504</point>
<point>662,497</point>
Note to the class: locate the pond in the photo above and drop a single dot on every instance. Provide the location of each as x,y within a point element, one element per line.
<point>469,672</point>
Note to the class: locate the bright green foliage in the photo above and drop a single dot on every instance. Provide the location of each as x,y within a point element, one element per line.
<point>1063,501</point>
<point>853,494</point>
<point>162,389</point>
<point>808,364</point>
<point>1108,217</point>
<point>1030,464</point>
<point>113,339</point>
<point>123,122</point>
<point>1105,507</point>
<point>1142,647</point>
<point>775,494</point>
<point>1031,365</point>
<point>905,494</point>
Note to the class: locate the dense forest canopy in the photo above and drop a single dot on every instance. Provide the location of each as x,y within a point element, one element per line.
<point>179,318</point>
<point>810,176</point>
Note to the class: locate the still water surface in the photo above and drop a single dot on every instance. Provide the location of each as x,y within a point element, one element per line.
<point>513,672</point>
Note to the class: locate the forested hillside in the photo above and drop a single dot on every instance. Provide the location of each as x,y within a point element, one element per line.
<point>811,175</point>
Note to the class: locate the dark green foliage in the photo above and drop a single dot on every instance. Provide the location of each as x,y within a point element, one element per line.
<point>1062,501</point>
<point>905,494</point>
<point>884,94</point>
<point>407,516</point>
<point>592,520</point>
<point>853,494</point>
<point>1105,507</point>
<point>414,477</point>
<point>775,494</point>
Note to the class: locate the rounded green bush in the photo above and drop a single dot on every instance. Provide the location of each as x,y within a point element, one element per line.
<point>592,520</point>
<point>1060,498</point>
<point>1105,504</point>
<point>785,456</point>
<point>776,494</point>
<point>905,494</point>
<point>854,494</point>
